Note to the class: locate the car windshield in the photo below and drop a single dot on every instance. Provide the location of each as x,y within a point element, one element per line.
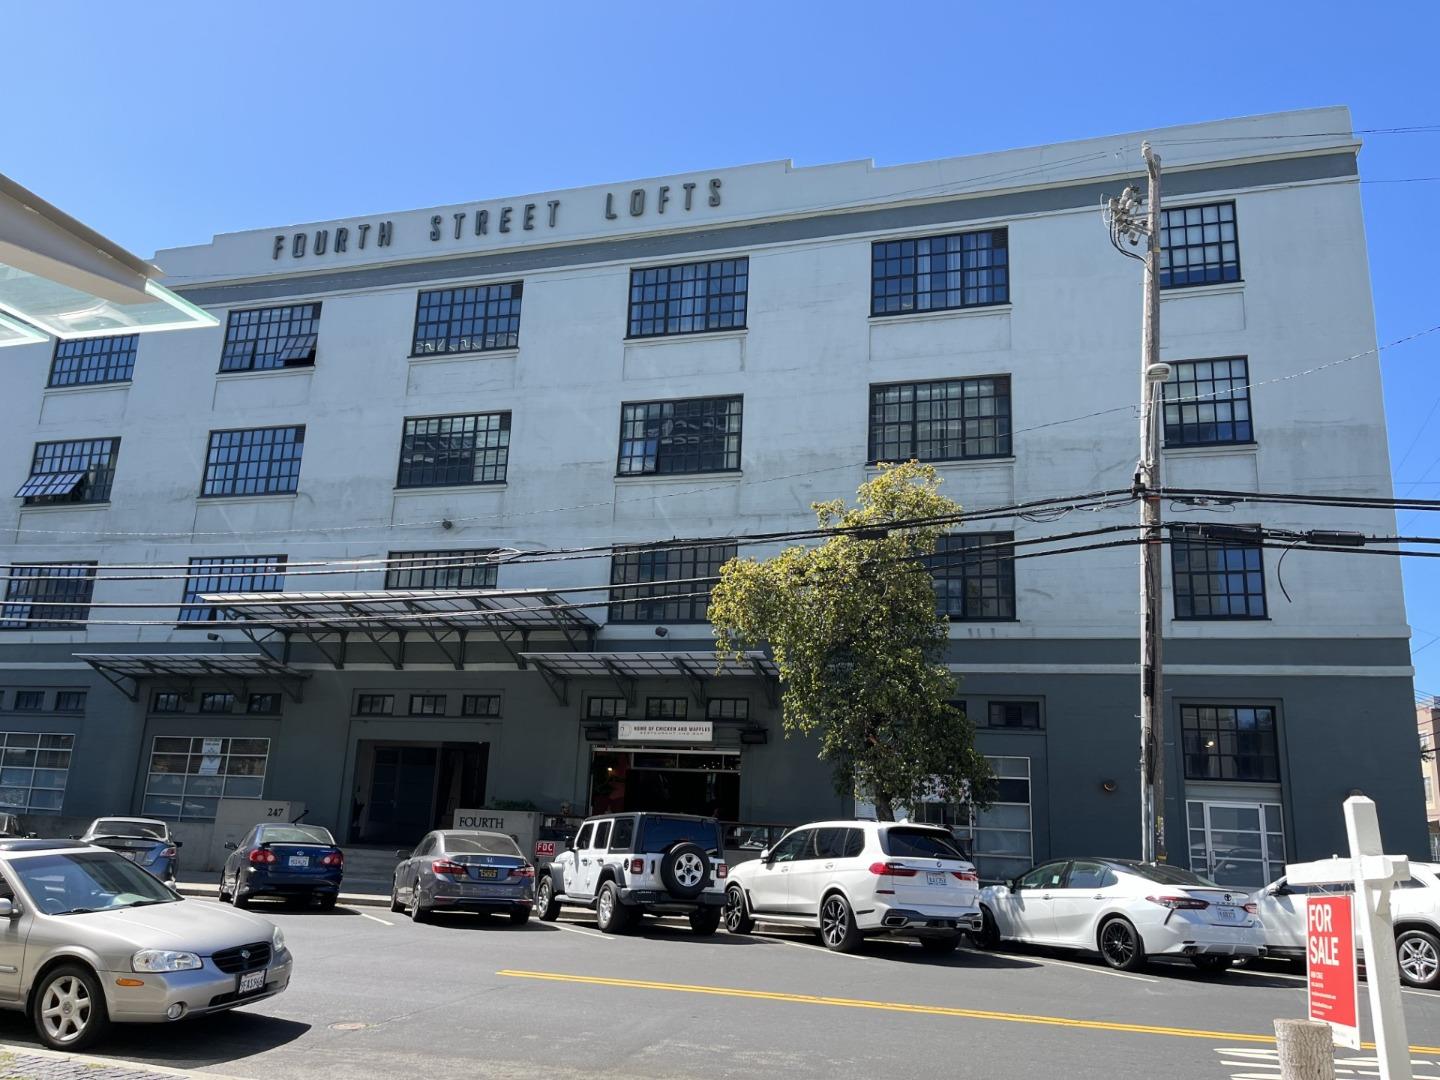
<point>295,834</point>
<point>72,883</point>
<point>1168,875</point>
<point>150,830</point>
<point>918,844</point>
<point>479,844</point>
<point>659,834</point>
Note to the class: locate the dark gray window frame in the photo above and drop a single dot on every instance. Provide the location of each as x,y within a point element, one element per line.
<point>503,326</point>
<point>293,344</point>
<point>717,308</point>
<point>635,429</point>
<point>283,481</point>
<point>1190,432</point>
<point>61,611</point>
<point>409,445</point>
<point>978,557</point>
<point>1002,423</point>
<point>1168,223</point>
<point>111,358</point>
<point>1188,541</point>
<point>1193,732</point>
<point>635,599</point>
<point>898,260</point>
<point>78,481</point>
<point>210,574</point>
<point>431,567</point>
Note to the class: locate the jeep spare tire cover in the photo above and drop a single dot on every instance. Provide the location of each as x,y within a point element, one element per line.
<point>685,869</point>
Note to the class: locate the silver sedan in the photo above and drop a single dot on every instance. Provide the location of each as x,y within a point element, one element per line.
<point>87,938</point>
<point>458,870</point>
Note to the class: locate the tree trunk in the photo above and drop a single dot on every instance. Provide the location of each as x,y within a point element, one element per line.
<point>884,808</point>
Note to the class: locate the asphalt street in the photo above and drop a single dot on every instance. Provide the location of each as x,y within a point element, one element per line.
<point>377,996</point>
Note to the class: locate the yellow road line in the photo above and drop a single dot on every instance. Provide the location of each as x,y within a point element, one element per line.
<point>919,1010</point>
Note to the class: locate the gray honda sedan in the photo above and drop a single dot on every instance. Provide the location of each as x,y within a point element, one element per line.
<point>454,870</point>
<point>87,938</point>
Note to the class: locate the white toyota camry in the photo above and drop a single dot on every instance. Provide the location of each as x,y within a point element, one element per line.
<point>1127,911</point>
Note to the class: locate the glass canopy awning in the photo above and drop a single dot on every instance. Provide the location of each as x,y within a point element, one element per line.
<point>60,277</point>
<point>624,668</point>
<point>126,670</point>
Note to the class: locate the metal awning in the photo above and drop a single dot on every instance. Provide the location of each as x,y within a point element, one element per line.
<point>388,619</point>
<point>624,668</point>
<point>125,670</point>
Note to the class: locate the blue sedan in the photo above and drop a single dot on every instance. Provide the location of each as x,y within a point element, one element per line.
<point>144,841</point>
<point>293,862</point>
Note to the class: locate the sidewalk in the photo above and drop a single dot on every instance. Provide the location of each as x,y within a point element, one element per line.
<point>33,1063</point>
<point>188,888</point>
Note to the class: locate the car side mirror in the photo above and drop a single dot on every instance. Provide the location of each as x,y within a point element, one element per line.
<point>7,908</point>
<point>765,855</point>
<point>1277,889</point>
<point>400,853</point>
<point>230,845</point>
<point>177,843</point>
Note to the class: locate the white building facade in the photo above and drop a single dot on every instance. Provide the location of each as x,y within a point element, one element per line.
<point>703,356</point>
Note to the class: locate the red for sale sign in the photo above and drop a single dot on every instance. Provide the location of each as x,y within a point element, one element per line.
<point>1330,965</point>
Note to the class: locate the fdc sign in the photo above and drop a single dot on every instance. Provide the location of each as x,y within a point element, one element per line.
<point>1330,964</point>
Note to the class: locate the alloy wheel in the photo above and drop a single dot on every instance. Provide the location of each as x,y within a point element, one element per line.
<point>834,921</point>
<point>734,910</point>
<point>65,1009</point>
<point>1419,960</point>
<point>689,870</point>
<point>1117,943</point>
<point>605,908</point>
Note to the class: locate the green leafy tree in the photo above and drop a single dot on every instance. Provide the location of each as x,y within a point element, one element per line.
<point>855,635</point>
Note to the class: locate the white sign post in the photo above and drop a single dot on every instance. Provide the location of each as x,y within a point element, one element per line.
<point>1372,874</point>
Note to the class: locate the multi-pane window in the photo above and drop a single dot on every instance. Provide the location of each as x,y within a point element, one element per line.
<point>1217,576</point>
<point>276,337</point>
<point>94,360</point>
<point>217,703</point>
<point>188,777</point>
<point>54,596</point>
<point>1230,742</point>
<point>480,705</point>
<point>438,451</point>
<point>1198,245</point>
<point>948,420</point>
<point>469,319</point>
<point>375,705</point>
<point>70,701</point>
<point>1019,715</point>
<point>934,273</point>
<point>688,299</point>
<point>254,461</point>
<point>77,471</point>
<point>693,435</point>
<point>727,709</point>
<point>228,574</point>
<point>167,701</point>
<point>606,708</point>
<point>1208,402</point>
<point>667,585</point>
<point>461,569</point>
<point>427,704</point>
<point>666,708</point>
<point>29,700</point>
<point>998,837</point>
<point>263,704</point>
<point>33,771</point>
<point>974,576</point>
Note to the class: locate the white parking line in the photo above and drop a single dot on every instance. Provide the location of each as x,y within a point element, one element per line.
<point>1091,968</point>
<point>372,918</point>
<point>581,930</point>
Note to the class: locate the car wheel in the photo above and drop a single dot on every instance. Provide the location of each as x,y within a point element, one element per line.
<point>1211,965</point>
<point>1120,945</point>
<point>520,916</point>
<point>395,904</point>
<point>705,921</point>
<point>1419,954</point>
<point>237,898</point>
<point>685,870</point>
<point>224,897</point>
<point>737,918</point>
<point>418,911</point>
<point>69,1009</point>
<point>940,945</point>
<point>988,936</point>
<point>837,924</point>
<point>611,916</point>
<point>328,901</point>
<point>546,906</point>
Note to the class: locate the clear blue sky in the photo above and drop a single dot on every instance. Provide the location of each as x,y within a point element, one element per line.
<point>162,123</point>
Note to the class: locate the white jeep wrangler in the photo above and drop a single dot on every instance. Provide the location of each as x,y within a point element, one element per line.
<point>626,865</point>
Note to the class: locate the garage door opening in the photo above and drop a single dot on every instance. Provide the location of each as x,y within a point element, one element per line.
<point>673,781</point>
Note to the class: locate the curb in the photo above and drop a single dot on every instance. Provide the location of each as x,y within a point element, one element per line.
<point>102,1066</point>
<point>211,892</point>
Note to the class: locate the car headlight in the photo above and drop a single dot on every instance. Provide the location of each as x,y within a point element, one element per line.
<point>277,940</point>
<point>164,960</point>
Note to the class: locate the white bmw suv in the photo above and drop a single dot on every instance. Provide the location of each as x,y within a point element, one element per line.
<point>853,879</point>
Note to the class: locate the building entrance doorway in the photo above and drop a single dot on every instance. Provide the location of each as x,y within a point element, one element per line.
<point>674,781</point>
<point>403,790</point>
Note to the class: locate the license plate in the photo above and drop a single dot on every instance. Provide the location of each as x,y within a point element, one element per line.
<point>488,873</point>
<point>252,982</point>
<point>299,860</point>
<point>1226,913</point>
<point>935,879</point>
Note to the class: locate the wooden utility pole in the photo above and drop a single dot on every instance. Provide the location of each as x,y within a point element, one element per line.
<point>1305,1050</point>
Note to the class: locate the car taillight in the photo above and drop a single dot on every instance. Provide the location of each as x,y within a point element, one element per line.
<point>1179,903</point>
<point>445,866</point>
<point>262,855</point>
<point>637,866</point>
<point>1252,909</point>
<point>721,870</point>
<point>522,871</point>
<point>891,869</point>
<point>333,858</point>
<point>168,853</point>
<point>965,875</point>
